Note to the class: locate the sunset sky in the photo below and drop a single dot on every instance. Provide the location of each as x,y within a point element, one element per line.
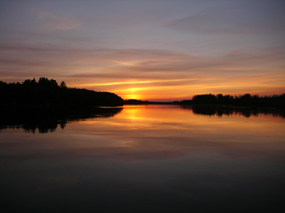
<point>147,49</point>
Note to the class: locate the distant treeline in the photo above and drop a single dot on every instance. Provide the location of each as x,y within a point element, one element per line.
<point>140,102</point>
<point>246,100</point>
<point>46,93</point>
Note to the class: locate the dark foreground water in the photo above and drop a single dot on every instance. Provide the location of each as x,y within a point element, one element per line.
<point>145,159</point>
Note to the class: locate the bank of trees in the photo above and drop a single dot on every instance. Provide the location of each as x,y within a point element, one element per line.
<point>242,100</point>
<point>48,93</point>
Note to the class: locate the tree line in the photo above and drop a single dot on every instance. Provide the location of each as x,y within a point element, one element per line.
<point>242,100</point>
<point>48,93</point>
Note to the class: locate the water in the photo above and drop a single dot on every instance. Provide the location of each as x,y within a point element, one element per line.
<point>153,158</point>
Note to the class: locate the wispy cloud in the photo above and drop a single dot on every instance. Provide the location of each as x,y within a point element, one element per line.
<point>135,82</point>
<point>134,64</point>
<point>52,22</point>
<point>232,19</point>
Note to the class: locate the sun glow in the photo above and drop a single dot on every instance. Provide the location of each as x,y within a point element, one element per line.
<point>181,89</point>
<point>132,94</point>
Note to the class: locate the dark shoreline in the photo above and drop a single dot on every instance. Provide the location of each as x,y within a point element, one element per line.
<point>247,100</point>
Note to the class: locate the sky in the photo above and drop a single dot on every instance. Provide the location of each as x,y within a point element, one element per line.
<point>156,50</point>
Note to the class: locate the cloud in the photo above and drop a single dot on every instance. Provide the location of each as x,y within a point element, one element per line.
<point>231,19</point>
<point>51,22</point>
<point>57,54</point>
<point>134,60</point>
<point>229,63</point>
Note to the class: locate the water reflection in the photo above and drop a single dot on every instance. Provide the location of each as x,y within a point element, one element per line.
<point>169,132</point>
<point>48,121</point>
<point>247,112</point>
<point>147,159</point>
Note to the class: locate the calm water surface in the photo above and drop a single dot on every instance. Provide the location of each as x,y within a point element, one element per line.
<point>147,159</point>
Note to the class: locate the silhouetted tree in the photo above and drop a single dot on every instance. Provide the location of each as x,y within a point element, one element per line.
<point>63,85</point>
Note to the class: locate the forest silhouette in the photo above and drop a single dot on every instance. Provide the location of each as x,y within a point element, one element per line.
<point>247,100</point>
<point>44,104</point>
<point>46,93</point>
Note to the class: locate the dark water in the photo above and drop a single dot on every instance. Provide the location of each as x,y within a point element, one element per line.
<point>145,159</point>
